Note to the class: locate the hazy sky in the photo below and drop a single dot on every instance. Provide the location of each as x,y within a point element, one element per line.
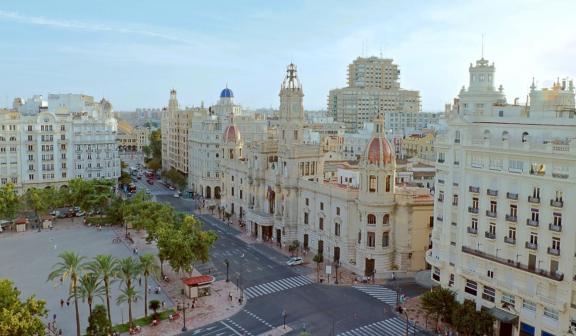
<point>134,52</point>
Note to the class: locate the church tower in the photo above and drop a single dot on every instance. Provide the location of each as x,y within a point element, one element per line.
<point>173,102</point>
<point>291,123</point>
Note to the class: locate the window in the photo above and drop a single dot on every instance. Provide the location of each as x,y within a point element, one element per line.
<point>441,196</point>
<point>385,239</point>
<point>321,223</point>
<point>551,313</point>
<point>475,202</point>
<point>386,219</point>
<point>536,192</point>
<point>490,273</point>
<point>388,183</point>
<point>513,210</point>
<point>337,211</point>
<point>451,281</point>
<point>474,223</point>
<point>556,243</point>
<point>512,233</point>
<point>535,215</point>
<point>240,194</point>
<point>455,199</point>
<point>529,305</point>
<point>508,299</point>
<point>515,166</point>
<point>436,273</point>
<point>489,294</point>
<point>305,218</point>
<point>321,205</point>
<point>493,206</point>
<point>492,228</point>
<point>372,183</point>
<point>31,176</point>
<point>533,238</point>
<point>359,237</point>
<point>337,229</point>
<point>371,219</point>
<point>232,191</point>
<point>307,201</point>
<point>557,219</point>
<point>371,239</point>
<point>471,287</point>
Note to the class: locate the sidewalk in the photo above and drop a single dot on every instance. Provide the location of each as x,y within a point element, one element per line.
<point>208,309</point>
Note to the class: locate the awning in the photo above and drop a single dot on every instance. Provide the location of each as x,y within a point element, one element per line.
<point>503,315</point>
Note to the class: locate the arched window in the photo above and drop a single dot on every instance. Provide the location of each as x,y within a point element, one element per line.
<point>231,154</point>
<point>486,134</point>
<point>388,183</point>
<point>457,137</point>
<point>386,219</point>
<point>505,136</point>
<point>525,137</point>
<point>371,219</point>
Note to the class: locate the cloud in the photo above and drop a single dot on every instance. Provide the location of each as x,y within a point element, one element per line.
<point>93,27</point>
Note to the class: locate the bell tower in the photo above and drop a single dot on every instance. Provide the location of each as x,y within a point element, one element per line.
<point>291,123</point>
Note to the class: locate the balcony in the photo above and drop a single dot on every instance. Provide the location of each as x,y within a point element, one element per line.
<point>533,199</point>
<point>492,192</point>
<point>511,218</point>
<point>455,203</point>
<point>474,189</point>
<point>512,196</point>
<point>473,210</point>
<point>472,230</point>
<point>491,214</point>
<point>554,227</point>
<point>533,223</point>
<point>531,246</point>
<point>510,263</point>
<point>556,204</point>
<point>510,240</point>
<point>560,175</point>
<point>553,251</point>
<point>490,235</point>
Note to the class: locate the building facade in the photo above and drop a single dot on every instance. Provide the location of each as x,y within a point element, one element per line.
<point>49,147</point>
<point>356,215</point>
<point>505,180</point>
<point>175,124</point>
<point>373,89</point>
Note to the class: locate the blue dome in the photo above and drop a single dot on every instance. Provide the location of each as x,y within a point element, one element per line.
<point>226,93</point>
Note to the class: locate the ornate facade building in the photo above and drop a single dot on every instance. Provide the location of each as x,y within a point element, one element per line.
<point>357,215</point>
<point>504,183</point>
<point>43,146</point>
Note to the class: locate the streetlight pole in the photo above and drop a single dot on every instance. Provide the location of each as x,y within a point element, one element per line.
<point>284,314</point>
<point>227,267</point>
<point>336,264</point>
<point>242,279</point>
<point>183,310</point>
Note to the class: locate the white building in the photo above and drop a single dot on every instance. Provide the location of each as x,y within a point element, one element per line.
<point>50,148</point>
<point>505,179</point>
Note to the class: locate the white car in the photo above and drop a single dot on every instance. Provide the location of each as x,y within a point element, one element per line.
<point>176,195</point>
<point>148,192</point>
<point>171,187</point>
<point>295,261</point>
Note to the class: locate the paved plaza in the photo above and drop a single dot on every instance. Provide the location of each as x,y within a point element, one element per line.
<point>27,259</point>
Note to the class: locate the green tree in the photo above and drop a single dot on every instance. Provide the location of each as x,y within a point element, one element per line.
<point>154,305</point>
<point>176,178</point>
<point>128,270</point>
<point>128,295</point>
<point>318,259</point>
<point>98,322</point>
<point>124,178</point>
<point>71,267</point>
<point>148,268</point>
<point>439,302</point>
<point>470,322</point>
<point>154,164</point>
<point>106,267</point>
<point>9,202</point>
<point>20,317</point>
<point>39,201</point>
<point>90,288</point>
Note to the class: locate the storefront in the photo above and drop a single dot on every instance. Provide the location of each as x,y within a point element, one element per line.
<point>198,286</point>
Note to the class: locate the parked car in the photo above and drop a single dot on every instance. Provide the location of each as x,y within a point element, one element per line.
<point>295,261</point>
<point>150,182</point>
<point>176,195</point>
<point>148,192</point>
<point>55,213</point>
<point>171,187</point>
<point>80,213</point>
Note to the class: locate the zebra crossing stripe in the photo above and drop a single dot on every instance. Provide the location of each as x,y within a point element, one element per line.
<point>276,286</point>
<point>381,293</point>
<point>389,327</point>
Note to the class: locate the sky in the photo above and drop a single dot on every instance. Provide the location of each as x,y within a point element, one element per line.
<point>134,52</point>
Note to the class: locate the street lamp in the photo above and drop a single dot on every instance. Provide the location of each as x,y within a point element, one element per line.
<point>182,308</point>
<point>336,265</point>
<point>242,279</point>
<point>227,267</point>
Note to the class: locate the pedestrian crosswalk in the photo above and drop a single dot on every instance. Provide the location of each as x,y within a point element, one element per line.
<point>276,286</point>
<point>383,294</point>
<point>390,327</point>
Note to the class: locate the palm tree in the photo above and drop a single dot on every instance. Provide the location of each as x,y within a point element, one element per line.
<point>128,295</point>
<point>90,288</point>
<point>147,267</point>
<point>128,270</point>
<point>70,267</point>
<point>106,267</point>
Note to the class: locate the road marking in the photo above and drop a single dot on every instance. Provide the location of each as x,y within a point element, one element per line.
<point>383,294</point>
<point>229,327</point>
<point>390,327</point>
<point>276,286</point>
<point>258,318</point>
